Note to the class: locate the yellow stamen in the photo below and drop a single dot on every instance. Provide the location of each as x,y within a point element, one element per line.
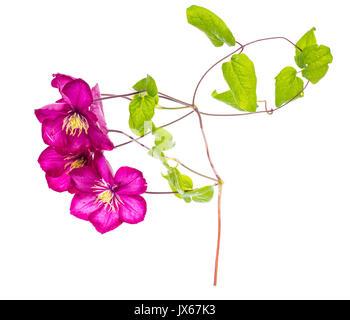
<point>106,198</point>
<point>75,122</point>
<point>77,163</point>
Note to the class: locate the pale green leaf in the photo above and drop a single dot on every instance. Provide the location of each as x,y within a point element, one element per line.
<point>314,60</point>
<point>239,74</point>
<point>175,180</point>
<point>287,86</point>
<point>211,25</point>
<point>147,84</point>
<point>203,194</point>
<point>184,186</point>
<point>307,40</point>
<point>141,110</point>
<point>187,185</point>
<point>163,139</point>
<point>179,183</point>
<point>158,154</point>
<point>226,97</point>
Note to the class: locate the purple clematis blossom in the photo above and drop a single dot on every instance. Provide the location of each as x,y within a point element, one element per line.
<point>106,200</point>
<point>60,80</point>
<point>58,167</point>
<point>75,123</point>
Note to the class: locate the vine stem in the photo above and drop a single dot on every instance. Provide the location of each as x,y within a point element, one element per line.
<point>219,236</point>
<point>168,158</point>
<point>270,112</point>
<point>199,114</point>
<point>219,192</point>
<point>240,48</point>
<point>112,96</point>
<point>206,142</point>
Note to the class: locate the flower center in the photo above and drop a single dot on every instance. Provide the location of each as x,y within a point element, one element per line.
<point>74,123</point>
<point>107,199</point>
<point>106,195</point>
<point>75,162</point>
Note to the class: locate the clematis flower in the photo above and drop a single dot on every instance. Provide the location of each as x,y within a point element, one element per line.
<point>58,167</point>
<point>60,80</point>
<point>75,123</point>
<point>106,200</point>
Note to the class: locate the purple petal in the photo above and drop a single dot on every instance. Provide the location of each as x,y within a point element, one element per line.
<point>105,221</point>
<point>52,111</point>
<point>97,109</point>
<point>83,204</point>
<point>133,209</point>
<point>52,132</point>
<point>77,93</point>
<point>60,80</point>
<point>54,135</point>
<point>59,184</point>
<point>53,163</point>
<point>99,140</point>
<point>84,179</point>
<point>130,181</point>
<point>76,144</point>
<point>103,167</point>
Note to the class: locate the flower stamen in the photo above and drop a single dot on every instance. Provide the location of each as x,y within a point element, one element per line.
<point>75,162</point>
<point>75,122</point>
<point>107,199</point>
<point>105,195</point>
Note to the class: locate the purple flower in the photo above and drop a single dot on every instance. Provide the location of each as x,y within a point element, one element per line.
<point>75,123</point>
<point>106,200</point>
<point>58,167</point>
<point>60,80</point>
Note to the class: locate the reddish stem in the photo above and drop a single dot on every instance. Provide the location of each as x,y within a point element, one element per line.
<point>219,236</point>
<point>206,143</point>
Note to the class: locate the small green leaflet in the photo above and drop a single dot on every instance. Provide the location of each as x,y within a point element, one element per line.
<point>239,74</point>
<point>179,183</point>
<point>203,194</point>
<point>147,84</point>
<point>308,39</point>
<point>163,141</point>
<point>287,86</point>
<point>211,25</point>
<point>226,97</point>
<point>141,110</point>
<point>183,184</point>
<point>314,60</point>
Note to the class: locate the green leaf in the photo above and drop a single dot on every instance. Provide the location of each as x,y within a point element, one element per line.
<point>187,185</point>
<point>141,110</point>
<point>211,25</point>
<point>314,60</point>
<point>307,40</point>
<point>287,86</point>
<point>178,183</point>
<point>204,194</point>
<point>183,185</point>
<point>175,179</point>
<point>158,154</point>
<point>147,84</point>
<point>239,74</point>
<point>163,139</point>
<point>226,97</point>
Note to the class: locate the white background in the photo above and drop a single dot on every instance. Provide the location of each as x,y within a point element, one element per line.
<point>286,223</point>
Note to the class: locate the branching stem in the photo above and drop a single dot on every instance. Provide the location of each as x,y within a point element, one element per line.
<point>206,142</point>
<point>199,115</point>
<point>168,158</point>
